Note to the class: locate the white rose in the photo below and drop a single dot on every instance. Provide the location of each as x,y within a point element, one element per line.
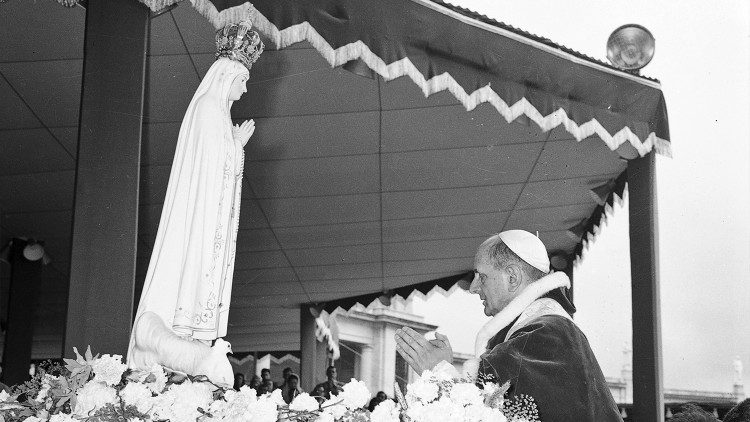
<point>161,406</point>
<point>325,417</point>
<point>62,417</point>
<point>334,406</point>
<point>304,402</point>
<point>385,411</point>
<point>276,397</point>
<point>465,394</point>
<point>160,379</point>
<point>355,394</point>
<point>108,369</point>
<point>92,396</point>
<point>415,411</point>
<point>138,395</point>
<point>492,415</point>
<point>264,410</point>
<point>422,391</point>
<point>4,395</point>
<point>33,419</point>
<point>443,410</point>
<point>188,397</point>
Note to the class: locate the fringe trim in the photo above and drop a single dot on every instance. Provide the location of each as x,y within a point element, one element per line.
<point>157,5</point>
<point>590,238</point>
<point>398,299</point>
<point>444,82</point>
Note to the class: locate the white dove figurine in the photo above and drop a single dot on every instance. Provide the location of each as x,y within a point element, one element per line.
<point>216,366</point>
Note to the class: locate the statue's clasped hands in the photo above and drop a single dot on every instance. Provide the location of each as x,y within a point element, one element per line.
<point>244,131</point>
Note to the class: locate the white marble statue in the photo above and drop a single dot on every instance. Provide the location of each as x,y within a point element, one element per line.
<point>185,301</point>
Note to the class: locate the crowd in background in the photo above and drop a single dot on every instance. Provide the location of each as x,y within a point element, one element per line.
<point>290,388</point>
<point>695,413</point>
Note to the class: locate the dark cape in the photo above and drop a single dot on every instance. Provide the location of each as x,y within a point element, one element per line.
<point>550,360</point>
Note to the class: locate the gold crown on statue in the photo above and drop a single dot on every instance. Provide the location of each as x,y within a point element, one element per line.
<point>238,42</point>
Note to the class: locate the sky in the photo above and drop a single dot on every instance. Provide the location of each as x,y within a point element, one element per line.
<point>703,62</point>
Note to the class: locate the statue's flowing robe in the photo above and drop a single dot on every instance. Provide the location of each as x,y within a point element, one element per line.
<point>549,359</point>
<point>189,278</point>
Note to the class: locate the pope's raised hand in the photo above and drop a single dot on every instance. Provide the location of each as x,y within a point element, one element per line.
<point>244,131</point>
<point>420,353</point>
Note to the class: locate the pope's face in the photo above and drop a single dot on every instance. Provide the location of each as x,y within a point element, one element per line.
<point>491,285</point>
<point>238,88</point>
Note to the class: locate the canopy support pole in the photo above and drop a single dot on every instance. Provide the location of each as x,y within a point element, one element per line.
<point>25,282</point>
<point>105,219</point>
<point>648,394</point>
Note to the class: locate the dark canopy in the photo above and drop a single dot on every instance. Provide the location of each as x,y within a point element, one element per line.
<point>352,185</point>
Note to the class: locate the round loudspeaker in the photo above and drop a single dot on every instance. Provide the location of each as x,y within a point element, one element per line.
<point>630,47</point>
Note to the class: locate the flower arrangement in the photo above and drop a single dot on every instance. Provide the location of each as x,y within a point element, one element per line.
<point>101,388</point>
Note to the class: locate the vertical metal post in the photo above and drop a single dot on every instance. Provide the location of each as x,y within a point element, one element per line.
<point>25,280</point>
<point>648,395</point>
<point>105,221</point>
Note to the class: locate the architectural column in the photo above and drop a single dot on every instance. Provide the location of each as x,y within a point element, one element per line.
<point>366,365</point>
<point>105,220</point>
<point>313,354</point>
<point>648,395</point>
<point>25,280</point>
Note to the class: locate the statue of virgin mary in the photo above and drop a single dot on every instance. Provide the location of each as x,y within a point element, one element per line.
<point>189,280</point>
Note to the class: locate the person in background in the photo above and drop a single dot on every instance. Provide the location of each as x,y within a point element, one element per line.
<point>265,375</point>
<point>291,388</point>
<point>285,375</point>
<point>331,385</point>
<point>739,413</point>
<point>379,398</point>
<point>693,413</point>
<point>319,393</point>
<point>239,380</point>
<point>254,382</point>
<point>265,387</point>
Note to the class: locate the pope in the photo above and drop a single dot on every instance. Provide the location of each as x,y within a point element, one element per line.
<point>531,340</point>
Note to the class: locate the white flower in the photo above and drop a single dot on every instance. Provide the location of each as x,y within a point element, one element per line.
<point>265,410</point>
<point>4,395</point>
<point>138,395</point>
<point>325,417</point>
<point>334,406</point>
<point>443,410</point>
<point>385,411</point>
<point>492,415</point>
<point>92,396</point>
<point>236,406</point>
<point>62,417</point>
<point>160,379</point>
<point>421,390</point>
<point>46,385</point>
<point>33,419</point>
<point>161,408</point>
<point>415,411</point>
<point>304,402</point>
<point>355,394</point>
<point>188,397</point>
<point>276,397</point>
<point>108,369</point>
<point>465,394</point>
